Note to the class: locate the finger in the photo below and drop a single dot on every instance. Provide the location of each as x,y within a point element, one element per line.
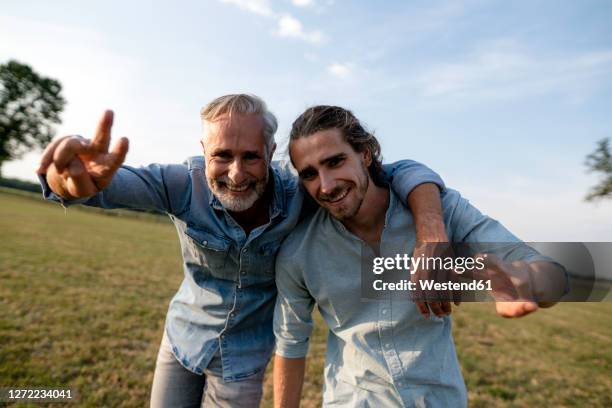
<point>436,308</point>
<point>446,307</point>
<point>67,150</point>
<point>423,309</point>
<point>457,297</point>
<point>455,293</point>
<point>79,183</point>
<point>47,156</point>
<point>515,309</point>
<point>528,307</point>
<point>118,153</point>
<point>101,139</point>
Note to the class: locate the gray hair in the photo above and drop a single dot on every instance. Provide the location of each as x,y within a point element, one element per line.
<point>242,104</point>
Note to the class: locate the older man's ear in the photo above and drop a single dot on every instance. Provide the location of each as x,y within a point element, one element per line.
<point>271,154</point>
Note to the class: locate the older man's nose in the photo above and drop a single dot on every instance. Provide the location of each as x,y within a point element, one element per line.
<point>237,173</point>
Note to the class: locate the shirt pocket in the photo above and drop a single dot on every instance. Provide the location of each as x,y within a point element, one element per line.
<point>265,259</point>
<point>209,249</point>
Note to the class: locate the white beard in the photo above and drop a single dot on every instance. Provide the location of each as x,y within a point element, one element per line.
<point>220,185</point>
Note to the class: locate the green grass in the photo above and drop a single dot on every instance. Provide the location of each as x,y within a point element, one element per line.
<point>83,299</point>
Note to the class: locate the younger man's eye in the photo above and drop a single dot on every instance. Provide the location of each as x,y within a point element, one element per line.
<point>307,175</point>
<point>336,161</point>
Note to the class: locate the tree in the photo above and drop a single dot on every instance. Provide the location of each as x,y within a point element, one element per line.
<point>30,106</point>
<point>601,161</point>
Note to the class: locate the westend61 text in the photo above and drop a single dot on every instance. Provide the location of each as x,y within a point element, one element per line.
<point>426,285</point>
<point>407,263</point>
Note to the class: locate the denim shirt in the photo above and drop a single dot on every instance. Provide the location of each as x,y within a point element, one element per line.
<point>225,303</point>
<point>380,352</point>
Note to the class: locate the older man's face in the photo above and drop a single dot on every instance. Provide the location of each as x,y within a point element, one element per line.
<point>236,160</point>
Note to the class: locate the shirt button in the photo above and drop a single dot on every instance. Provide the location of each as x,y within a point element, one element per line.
<point>232,314</point>
<point>243,272</point>
<point>244,250</point>
<point>388,345</point>
<point>384,311</point>
<point>223,336</point>
<point>204,242</point>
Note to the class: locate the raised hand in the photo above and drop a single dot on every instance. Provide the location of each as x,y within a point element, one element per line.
<point>76,167</point>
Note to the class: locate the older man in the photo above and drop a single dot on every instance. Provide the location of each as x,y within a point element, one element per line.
<point>382,352</point>
<point>232,208</point>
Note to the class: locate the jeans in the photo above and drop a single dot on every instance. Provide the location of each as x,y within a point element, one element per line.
<point>176,387</point>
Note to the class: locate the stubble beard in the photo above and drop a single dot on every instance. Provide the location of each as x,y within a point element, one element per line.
<point>345,213</point>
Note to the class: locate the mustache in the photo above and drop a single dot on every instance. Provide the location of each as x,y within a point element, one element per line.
<point>225,180</point>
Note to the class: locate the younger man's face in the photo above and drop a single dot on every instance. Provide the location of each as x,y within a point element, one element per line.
<point>334,174</point>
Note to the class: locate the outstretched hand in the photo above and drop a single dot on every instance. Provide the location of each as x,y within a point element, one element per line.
<point>511,285</point>
<point>76,167</point>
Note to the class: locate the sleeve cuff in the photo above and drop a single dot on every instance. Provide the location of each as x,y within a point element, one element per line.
<point>48,194</point>
<point>291,350</point>
<point>405,186</point>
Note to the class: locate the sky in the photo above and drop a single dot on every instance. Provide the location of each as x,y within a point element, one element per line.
<point>503,99</point>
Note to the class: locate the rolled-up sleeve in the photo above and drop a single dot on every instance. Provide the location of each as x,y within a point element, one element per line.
<point>162,188</point>
<point>293,312</point>
<point>405,175</point>
<point>485,234</point>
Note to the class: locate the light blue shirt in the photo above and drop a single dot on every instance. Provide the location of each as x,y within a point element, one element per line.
<point>379,352</point>
<point>225,304</point>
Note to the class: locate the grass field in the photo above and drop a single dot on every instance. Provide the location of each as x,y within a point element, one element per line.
<point>83,298</point>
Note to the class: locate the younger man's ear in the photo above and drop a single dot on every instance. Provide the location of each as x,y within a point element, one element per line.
<point>202,144</point>
<point>367,157</point>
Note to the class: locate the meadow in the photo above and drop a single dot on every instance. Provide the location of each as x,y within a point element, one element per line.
<point>83,298</point>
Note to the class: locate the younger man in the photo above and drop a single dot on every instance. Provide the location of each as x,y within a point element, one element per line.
<point>383,352</point>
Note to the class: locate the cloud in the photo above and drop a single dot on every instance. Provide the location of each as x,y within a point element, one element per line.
<point>289,26</point>
<point>506,71</point>
<point>259,7</point>
<point>340,70</point>
<point>303,3</point>
<point>318,6</point>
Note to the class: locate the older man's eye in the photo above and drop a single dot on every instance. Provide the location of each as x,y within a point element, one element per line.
<point>251,156</point>
<point>222,156</point>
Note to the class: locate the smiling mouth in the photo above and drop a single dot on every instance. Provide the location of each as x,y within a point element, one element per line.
<point>238,189</point>
<point>339,198</point>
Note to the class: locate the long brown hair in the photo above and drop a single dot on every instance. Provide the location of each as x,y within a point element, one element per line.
<point>324,117</point>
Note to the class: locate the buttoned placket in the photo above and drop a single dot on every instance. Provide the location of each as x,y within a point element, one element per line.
<point>385,322</point>
<point>385,332</point>
<point>243,261</point>
<point>245,251</point>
